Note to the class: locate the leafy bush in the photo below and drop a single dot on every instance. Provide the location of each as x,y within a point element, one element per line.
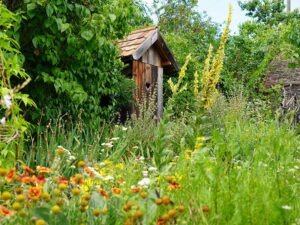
<point>71,55</point>
<point>12,125</point>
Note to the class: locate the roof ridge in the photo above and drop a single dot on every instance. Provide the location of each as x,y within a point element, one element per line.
<point>143,29</point>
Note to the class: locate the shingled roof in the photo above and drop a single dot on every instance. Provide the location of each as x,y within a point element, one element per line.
<point>138,42</point>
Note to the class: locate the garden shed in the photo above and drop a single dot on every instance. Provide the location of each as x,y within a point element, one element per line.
<point>147,57</point>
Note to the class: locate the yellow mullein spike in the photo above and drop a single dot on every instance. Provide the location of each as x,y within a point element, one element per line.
<point>211,76</point>
<point>196,84</point>
<point>182,73</point>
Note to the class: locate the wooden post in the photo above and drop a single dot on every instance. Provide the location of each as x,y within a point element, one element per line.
<point>288,5</point>
<point>160,105</point>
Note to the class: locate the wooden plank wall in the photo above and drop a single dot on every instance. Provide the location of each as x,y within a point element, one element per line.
<point>148,78</point>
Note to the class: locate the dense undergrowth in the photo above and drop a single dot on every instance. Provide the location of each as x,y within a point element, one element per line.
<point>229,170</point>
<point>224,159</point>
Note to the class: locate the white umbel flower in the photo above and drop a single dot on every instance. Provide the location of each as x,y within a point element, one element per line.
<point>286,207</point>
<point>152,168</point>
<point>145,182</point>
<point>7,101</point>
<point>115,138</point>
<point>3,121</point>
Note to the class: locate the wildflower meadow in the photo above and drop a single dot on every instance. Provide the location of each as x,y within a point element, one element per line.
<point>208,144</point>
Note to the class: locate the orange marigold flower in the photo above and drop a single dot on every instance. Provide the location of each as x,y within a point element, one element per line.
<point>77,180</point>
<point>39,179</point>
<point>116,190</point>
<point>42,169</point>
<point>161,221</point>
<point>5,211</point>
<point>174,185</point>
<point>26,179</point>
<point>34,192</point>
<point>88,171</point>
<point>63,180</point>
<point>103,193</point>
<point>27,169</point>
<point>121,181</point>
<point>135,189</point>
<point>10,176</point>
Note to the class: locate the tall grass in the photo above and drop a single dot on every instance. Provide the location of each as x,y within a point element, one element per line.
<point>84,142</point>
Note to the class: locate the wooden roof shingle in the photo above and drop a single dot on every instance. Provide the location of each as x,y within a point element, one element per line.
<point>139,41</point>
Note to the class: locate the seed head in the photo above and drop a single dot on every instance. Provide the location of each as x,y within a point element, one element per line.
<point>55,209</point>
<point>6,195</point>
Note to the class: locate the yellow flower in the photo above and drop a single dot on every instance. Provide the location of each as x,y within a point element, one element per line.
<point>107,162</point>
<point>81,164</point>
<point>102,172</point>
<point>187,157</point>
<point>56,209</point>
<point>198,145</point>
<point>200,138</point>
<point>40,222</point>
<point>120,166</point>
<point>178,176</point>
<point>60,151</point>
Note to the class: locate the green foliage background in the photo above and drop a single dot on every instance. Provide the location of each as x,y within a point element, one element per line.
<point>72,58</point>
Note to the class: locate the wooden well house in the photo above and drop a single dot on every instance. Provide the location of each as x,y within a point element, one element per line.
<point>148,58</point>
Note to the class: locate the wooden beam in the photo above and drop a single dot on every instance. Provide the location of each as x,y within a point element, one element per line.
<point>160,104</point>
<point>145,46</point>
<point>166,63</point>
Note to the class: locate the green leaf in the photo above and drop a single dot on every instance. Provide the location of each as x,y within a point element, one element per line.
<point>112,17</point>
<point>31,6</point>
<point>87,35</point>
<point>42,212</point>
<point>35,42</point>
<point>64,27</point>
<point>59,23</point>
<point>49,10</point>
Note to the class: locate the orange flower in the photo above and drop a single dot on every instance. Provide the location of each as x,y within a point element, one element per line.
<point>26,179</point>
<point>42,169</point>
<point>205,209</point>
<point>161,221</point>
<point>116,190</point>
<point>174,185</point>
<point>10,176</point>
<point>39,179</point>
<point>88,171</point>
<point>121,181</point>
<point>5,211</point>
<point>34,192</point>
<point>135,189</point>
<point>63,180</point>
<point>76,180</point>
<point>103,193</point>
<point>27,169</point>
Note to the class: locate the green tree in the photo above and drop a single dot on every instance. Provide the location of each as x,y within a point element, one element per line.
<point>71,55</point>
<point>265,11</point>
<point>12,100</point>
